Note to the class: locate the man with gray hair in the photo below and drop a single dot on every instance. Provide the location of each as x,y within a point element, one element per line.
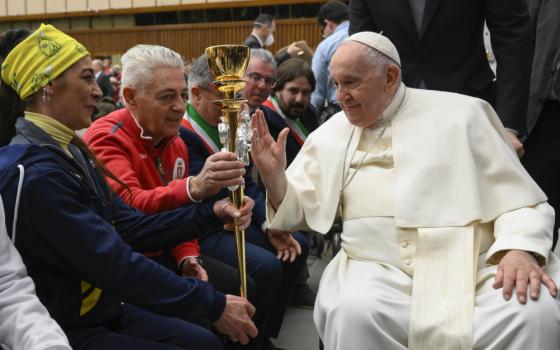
<point>139,145</point>
<point>441,223</point>
<point>275,278</point>
<point>260,78</point>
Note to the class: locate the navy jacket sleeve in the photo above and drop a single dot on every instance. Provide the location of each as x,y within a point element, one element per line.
<point>71,227</point>
<point>146,233</point>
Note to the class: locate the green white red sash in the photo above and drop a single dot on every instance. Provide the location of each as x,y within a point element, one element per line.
<point>194,122</point>
<point>297,129</point>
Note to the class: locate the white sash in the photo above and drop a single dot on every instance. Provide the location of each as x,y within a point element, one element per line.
<point>202,133</point>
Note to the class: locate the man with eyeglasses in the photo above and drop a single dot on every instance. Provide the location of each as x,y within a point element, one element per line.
<point>333,19</point>
<point>274,262</point>
<point>260,78</point>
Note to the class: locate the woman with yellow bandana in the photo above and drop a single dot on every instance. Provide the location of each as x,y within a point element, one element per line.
<point>72,233</point>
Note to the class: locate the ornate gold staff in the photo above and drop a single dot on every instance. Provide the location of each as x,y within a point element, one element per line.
<point>228,63</point>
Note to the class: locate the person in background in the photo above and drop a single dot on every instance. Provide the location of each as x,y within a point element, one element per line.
<point>442,48</point>
<point>117,88</point>
<point>262,34</point>
<point>103,106</point>
<point>115,72</point>
<point>107,65</point>
<point>259,77</point>
<point>289,106</point>
<point>102,79</point>
<point>333,19</point>
<point>542,147</point>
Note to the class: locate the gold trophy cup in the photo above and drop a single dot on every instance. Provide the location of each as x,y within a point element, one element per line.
<point>228,63</point>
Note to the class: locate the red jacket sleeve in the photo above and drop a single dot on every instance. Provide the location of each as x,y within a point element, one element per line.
<point>117,153</point>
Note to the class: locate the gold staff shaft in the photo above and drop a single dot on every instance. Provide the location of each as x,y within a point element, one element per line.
<point>232,116</point>
<point>229,63</point>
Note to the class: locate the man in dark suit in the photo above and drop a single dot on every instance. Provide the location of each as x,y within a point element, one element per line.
<point>441,48</point>
<point>289,106</point>
<point>542,148</point>
<point>263,36</point>
<point>263,32</point>
<point>102,79</point>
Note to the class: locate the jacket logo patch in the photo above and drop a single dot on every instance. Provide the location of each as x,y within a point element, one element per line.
<point>143,156</point>
<point>179,169</point>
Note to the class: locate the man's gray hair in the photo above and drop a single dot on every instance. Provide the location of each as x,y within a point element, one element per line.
<point>140,62</point>
<point>200,74</point>
<point>379,60</point>
<point>263,55</point>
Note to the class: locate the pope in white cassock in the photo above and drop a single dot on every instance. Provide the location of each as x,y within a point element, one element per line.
<point>446,239</point>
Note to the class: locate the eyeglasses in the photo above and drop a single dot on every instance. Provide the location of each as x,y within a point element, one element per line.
<point>256,78</point>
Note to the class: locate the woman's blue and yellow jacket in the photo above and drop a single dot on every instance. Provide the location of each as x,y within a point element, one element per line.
<point>83,246</point>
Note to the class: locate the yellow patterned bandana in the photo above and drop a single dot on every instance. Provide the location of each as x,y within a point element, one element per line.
<point>39,59</point>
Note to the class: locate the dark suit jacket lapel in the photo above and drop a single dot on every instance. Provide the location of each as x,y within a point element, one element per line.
<point>276,123</point>
<point>402,10</point>
<point>429,11</point>
<point>309,119</point>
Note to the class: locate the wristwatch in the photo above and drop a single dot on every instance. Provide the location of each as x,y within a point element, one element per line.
<point>182,263</point>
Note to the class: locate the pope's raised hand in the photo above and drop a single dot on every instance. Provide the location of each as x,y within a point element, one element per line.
<point>269,157</point>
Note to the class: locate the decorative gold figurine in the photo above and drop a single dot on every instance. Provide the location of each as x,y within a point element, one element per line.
<point>228,63</point>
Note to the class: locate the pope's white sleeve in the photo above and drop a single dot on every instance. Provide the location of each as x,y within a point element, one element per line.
<point>528,229</point>
<point>24,322</point>
<point>290,215</point>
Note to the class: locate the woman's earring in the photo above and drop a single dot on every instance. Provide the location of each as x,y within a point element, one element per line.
<point>46,96</point>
